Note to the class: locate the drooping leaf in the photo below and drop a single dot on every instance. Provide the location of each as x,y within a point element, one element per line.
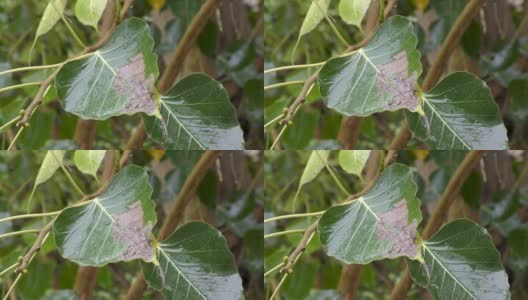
<point>89,12</point>
<point>195,263</point>
<point>460,114</point>
<point>353,161</point>
<point>381,224</point>
<point>353,11</point>
<point>52,161</point>
<point>117,79</point>
<point>315,14</point>
<point>461,263</point>
<point>51,16</point>
<point>317,161</point>
<point>196,114</point>
<point>115,226</point>
<point>88,161</point>
<point>379,77</point>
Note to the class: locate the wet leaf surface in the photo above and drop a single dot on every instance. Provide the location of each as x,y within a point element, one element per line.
<point>381,224</point>
<point>196,115</point>
<point>461,263</point>
<point>116,226</point>
<point>379,77</point>
<point>117,79</point>
<point>460,115</point>
<point>195,263</point>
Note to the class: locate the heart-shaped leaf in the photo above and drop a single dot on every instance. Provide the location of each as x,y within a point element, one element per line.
<point>196,115</point>
<point>461,263</point>
<point>461,115</point>
<point>379,77</point>
<point>195,263</point>
<point>115,226</point>
<point>51,16</point>
<point>115,80</point>
<point>381,224</point>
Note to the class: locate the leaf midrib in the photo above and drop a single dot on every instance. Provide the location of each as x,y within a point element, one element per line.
<point>445,123</point>
<point>180,123</point>
<point>424,245</point>
<point>180,272</point>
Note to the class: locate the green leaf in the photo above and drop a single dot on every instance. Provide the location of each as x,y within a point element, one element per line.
<point>315,14</point>
<point>379,77</point>
<point>89,12</point>
<point>317,161</point>
<point>88,161</point>
<point>353,11</point>
<point>52,161</point>
<point>116,79</point>
<point>460,114</point>
<point>381,224</point>
<point>195,263</point>
<point>461,263</point>
<point>353,161</point>
<point>115,226</point>
<point>196,115</point>
<point>51,16</point>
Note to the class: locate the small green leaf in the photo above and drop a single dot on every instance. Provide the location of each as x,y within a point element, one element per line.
<point>461,263</point>
<point>88,161</point>
<point>51,16</point>
<point>315,14</point>
<point>89,12</point>
<point>52,161</point>
<point>196,115</point>
<point>460,114</point>
<point>353,161</point>
<point>195,263</point>
<point>381,224</point>
<point>115,80</point>
<point>379,77</point>
<point>353,11</point>
<point>317,161</point>
<point>115,226</point>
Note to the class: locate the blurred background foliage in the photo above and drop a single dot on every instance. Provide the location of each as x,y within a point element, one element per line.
<point>229,198</point>
<point>495,196</point>
<point>230,49</point>
<point>494,48</point>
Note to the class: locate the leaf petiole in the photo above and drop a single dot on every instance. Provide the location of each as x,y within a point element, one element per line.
<point>273,86</point>
<point>19,233</point>
<point>280,233</point>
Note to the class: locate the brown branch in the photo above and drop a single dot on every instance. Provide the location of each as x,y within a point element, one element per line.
<point>175,216</point>
<point>437,69</point>
<point>300,247</point>
<point>437,219</point>
<point>46,83</point>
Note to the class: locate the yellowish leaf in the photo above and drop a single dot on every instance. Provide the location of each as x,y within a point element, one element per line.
<point>156,154</point>
<point>156,4</point>
<point>421,4</point>
<point>420,154</point>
